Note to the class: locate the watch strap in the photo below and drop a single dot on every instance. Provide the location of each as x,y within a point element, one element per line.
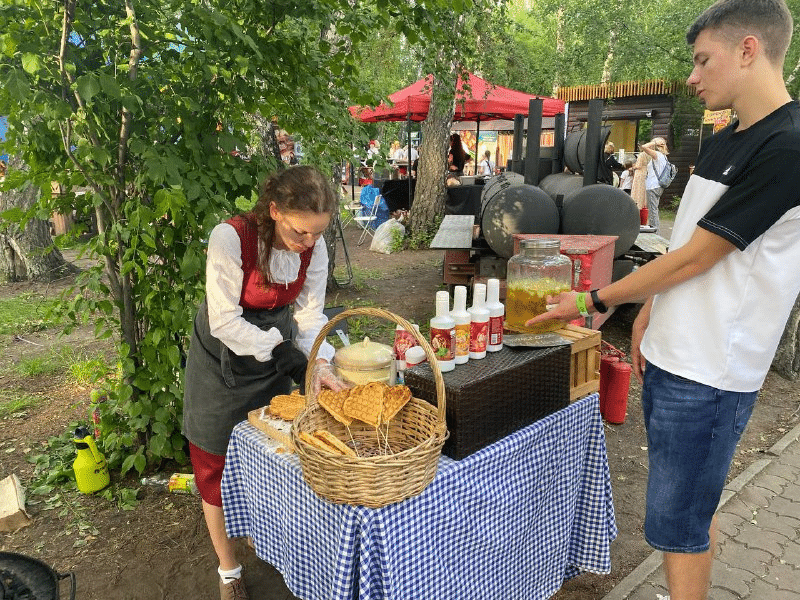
<point>597,303</point>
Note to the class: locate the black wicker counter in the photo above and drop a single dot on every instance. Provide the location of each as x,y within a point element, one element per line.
<point>490,398</point>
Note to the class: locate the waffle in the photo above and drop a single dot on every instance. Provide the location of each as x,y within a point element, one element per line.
<point>394,399</point>
<point>333,402</point>
<point>286,406</point>
<point>328,438</point>
<point>365,403</point>
<point>317,443</point>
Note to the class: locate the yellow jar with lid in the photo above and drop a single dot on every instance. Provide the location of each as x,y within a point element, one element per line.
<point>538,271</point>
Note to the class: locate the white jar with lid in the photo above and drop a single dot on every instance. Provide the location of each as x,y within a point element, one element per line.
<point>363,362</point>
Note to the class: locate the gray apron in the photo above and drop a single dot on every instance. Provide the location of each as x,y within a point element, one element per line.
<point>221,387</point>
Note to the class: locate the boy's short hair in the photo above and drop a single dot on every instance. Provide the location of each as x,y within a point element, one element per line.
<point>769,20</point>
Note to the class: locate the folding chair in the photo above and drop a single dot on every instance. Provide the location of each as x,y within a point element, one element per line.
<point>365,221</point>
<point>353,210</point>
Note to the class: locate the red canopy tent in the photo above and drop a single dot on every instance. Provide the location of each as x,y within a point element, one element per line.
<point>476,100</point>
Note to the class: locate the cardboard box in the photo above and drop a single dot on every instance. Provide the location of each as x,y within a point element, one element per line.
<point>12,505</point>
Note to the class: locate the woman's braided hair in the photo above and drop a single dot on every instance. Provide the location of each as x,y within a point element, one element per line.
<point>296,189</point>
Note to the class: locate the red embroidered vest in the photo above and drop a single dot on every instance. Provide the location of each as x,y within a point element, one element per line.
<point>256,295</point>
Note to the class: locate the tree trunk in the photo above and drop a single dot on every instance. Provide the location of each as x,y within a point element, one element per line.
<point>430,192</point>
<point>264,142</point>
<point>787,359</point>
<point>29,253</point>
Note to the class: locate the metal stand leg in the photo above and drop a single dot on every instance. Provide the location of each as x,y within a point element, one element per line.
<point>348,266</point>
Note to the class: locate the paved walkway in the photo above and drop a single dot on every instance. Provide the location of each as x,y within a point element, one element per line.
<point>759,522</point>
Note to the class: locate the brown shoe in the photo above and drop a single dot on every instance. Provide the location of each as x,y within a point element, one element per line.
<point>234,590</point>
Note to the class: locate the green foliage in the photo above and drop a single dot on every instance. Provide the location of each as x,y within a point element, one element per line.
<point>361,277</point>
<point>422,238</point>
<point>53,467</point>
<point>398,239</point>
<point>14,406</point>
<point>142,118</point>
<point>53,486</point>
<point>39,365</point>
<point>645,131</point>
<point>25,313</point>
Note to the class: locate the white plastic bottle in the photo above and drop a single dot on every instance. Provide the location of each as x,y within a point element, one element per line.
<point>496,315</point>
<point>443,333</point>
<point>479,322</point>
<point>462,319</point>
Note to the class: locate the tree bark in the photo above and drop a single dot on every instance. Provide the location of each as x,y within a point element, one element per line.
<point>28,253</point>
<point>430,192</point>
<point>264,142</point>
<point>787,359</point>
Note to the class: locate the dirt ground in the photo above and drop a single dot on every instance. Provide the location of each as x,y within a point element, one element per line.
<point>161,549</point>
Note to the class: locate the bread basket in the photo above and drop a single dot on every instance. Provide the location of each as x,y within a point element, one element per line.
<point>415,435</point>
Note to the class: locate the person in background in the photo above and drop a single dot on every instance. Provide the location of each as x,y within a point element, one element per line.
<point>395,151</point>
<point>716,305</point>
<point>626,177</point>
<point>456,157</point>
<point>610,158</point>
<point>657,150</point>
<point>469,165</point>
<point>409,154</point>
<point>486,167</point>
<point>639,181</point>
<point>373,152</point>
<point>265,269</point>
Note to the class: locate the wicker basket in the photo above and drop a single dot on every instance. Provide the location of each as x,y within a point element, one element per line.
<point>416,436</point>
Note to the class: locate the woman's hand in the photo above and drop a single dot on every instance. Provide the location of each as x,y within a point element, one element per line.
<point>290,361</point>
<point>324,375</point>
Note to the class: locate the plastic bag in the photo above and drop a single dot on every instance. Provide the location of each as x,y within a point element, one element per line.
<point>384,237</point>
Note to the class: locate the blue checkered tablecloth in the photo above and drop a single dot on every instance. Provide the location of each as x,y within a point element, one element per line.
<point>510,521</point>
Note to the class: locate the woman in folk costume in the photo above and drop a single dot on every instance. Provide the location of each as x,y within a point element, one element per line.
<point>265,269</point>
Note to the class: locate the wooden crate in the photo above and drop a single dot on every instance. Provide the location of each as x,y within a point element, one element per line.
<point>584,372</point>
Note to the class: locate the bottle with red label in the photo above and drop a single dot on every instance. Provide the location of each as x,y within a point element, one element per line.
<point>443,333</point>
<point>479,322</point>
<point>496,315</point>
<point>462,320</point>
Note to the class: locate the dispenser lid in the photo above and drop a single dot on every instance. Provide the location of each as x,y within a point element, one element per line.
<point>365,354</point>
<point>541,243</point>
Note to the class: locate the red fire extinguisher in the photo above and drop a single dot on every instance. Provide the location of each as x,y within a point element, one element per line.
<point>615,380</point>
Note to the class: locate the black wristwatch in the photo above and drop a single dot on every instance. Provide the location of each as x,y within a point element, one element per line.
<point>597,303</point>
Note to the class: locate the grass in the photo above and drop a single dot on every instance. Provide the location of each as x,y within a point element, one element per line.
<point>80,368</point>
<point>361,277</point>
<point>13,405</point>
<point>25,313</point>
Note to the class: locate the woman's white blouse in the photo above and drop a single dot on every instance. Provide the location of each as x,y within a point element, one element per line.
<point>224,277</point>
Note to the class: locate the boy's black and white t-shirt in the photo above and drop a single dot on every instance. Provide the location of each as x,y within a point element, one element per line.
<point>722,328</point>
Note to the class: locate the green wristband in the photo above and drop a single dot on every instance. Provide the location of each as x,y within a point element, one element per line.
<point>580,301</point>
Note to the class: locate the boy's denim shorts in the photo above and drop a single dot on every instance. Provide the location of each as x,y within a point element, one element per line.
<point>692,432</point>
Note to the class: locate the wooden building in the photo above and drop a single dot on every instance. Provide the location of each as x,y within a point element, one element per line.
<point>669,108</point>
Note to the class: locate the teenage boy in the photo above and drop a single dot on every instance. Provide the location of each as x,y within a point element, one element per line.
<point>716,305</point>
